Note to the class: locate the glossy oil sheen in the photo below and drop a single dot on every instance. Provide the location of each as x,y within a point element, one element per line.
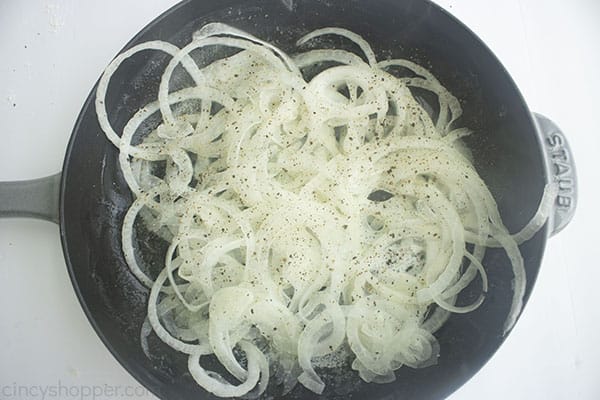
<point>506,150</point>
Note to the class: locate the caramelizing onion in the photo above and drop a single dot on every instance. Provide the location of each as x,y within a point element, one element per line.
<point>318,212</point>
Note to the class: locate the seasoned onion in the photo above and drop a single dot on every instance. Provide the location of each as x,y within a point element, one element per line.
<point>317,210</point>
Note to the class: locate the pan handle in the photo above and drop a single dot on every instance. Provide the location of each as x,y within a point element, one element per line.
<point>36,198</point>
<point>561,169</point>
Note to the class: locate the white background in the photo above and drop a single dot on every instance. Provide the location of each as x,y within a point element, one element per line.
<point>51,53</point>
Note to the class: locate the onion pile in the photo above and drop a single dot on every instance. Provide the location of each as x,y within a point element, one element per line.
<point>316,210</point>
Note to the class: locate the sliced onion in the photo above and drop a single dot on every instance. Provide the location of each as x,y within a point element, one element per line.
<point>304,216</point>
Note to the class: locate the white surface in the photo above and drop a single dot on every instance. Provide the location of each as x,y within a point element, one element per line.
<point>51,53</point>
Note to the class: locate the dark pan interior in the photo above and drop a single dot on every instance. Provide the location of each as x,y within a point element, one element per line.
<point>506,150</point>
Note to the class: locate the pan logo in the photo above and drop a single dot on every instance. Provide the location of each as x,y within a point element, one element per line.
<point>562,166</point>
<point>561,170</point>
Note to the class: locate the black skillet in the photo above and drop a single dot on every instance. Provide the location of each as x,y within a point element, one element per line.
<point>515,151</point>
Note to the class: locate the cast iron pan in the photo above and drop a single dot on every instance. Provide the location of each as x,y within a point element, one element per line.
<point>515,152</point>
